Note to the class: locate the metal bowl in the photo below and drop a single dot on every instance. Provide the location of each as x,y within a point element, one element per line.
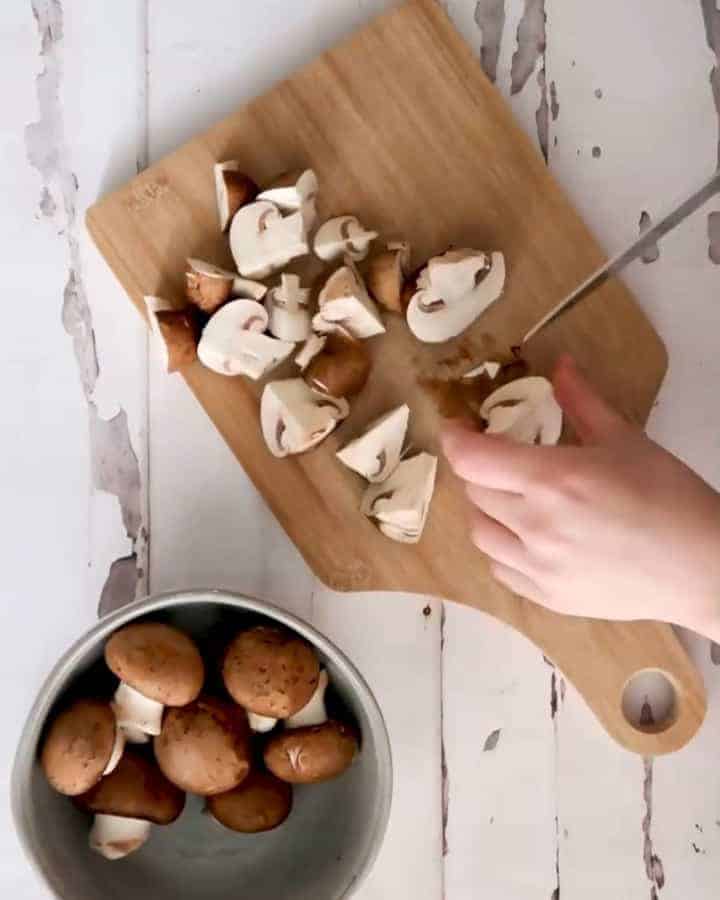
<point>322,852</point>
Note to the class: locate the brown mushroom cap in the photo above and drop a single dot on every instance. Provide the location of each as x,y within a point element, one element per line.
<point>341,368</point>
<point>157,660</point>
<point>385,280</point>
<point>204,748</point>
<point>311,754</point>
<point>78,746</point>
<point>260,803</point>
<point>241,189</point>
<point>270,671</point>
<point>180,330</point>
<point>136,789</point>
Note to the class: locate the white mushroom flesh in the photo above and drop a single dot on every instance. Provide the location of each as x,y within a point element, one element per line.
<point>209,270</point>
<point>294,418</point>
<point>376,454</point>
<point>250,290</point>
<point>314,711</point>
<point>444,307</point>
<point>260,724</point>
<point>290,197</point>
<point>115,837</point>
<point>135,710</point>
<point>490,369</point>
<point>401,503</point>
<point>155,305</point>
<point>232,342</point>
<point>343,235</point>
<point>289,318</point>
<point>263,240</point>
<point>310,349</point>
<point>525,410</point>
<point>117,750</point>
<point>345,301</point>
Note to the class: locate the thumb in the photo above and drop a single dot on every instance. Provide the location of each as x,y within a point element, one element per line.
<point>592,418</point>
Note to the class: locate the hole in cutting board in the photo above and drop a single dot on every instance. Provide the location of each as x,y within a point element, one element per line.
<point>649,701</point>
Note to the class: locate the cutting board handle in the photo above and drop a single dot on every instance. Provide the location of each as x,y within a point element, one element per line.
<point>600,658</point>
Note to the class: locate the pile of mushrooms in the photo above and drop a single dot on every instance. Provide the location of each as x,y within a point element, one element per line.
<point>243,751</point>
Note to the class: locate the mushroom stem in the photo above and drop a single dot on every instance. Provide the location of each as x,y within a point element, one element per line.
<point>134,710</point>
<point>117,836</point>
<point>314,711</point>
<point>117,750</point>
<point>260,724</point>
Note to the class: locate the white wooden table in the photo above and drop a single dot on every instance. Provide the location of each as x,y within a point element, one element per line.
<point>113,481</point>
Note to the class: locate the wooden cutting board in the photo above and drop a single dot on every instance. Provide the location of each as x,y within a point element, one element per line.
<point>405,131</point>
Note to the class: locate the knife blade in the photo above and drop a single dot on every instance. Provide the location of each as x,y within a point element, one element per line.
<point>635,248</point>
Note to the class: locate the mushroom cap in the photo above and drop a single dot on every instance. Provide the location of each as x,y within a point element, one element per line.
<point>385,277</point>
<point>176,331</point>
<point>157,660</point>
<point>376,453</point>
<point>260,803</point>
<point>136,789</point>
<point>270,671</point>
<point>525,410</point>
<point>207,285</point>
<point>204,748</point>
<point>233,189</point>
<point>294,418</point>
<point>78,746</point>
<point>343,235</point>
<point>341,368</point>
<point>311,754</point>
<point>344,301</point>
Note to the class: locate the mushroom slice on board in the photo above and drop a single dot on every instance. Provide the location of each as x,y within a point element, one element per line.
<point>260,803</point>
<point>343,235</point>
<point>233,189</point>
<point>453,293</point>
<point>491,368</point>
<point>341,368</point>
<point>309,350</point>
<point>376,454</point>
<point>80,747</point>
<point>207,285</point>
<point>386,275</point>
<point>400,504</point>
<point>287,307</point>
<point>263,240</point>
<point>248,289</point>
<point>345,301</point>
<point>175,331</point>
<point>232,342</point>
<point>293,190</point>
<point>525,410</point>
<point>158,666</point>
<point>294,418</point>
<point>126,803</point>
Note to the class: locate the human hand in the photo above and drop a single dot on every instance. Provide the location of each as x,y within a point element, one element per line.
<point>616,528</point>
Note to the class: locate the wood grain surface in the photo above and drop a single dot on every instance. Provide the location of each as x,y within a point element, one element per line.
<point>405,131</point>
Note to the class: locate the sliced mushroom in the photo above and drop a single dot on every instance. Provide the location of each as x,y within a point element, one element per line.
<point>401,503</point>
<point>310,349</point>
<point>345,301</point>
<point>232,342</point>
<point>524,410</point>
<point>292,190</point>
<point>376,453</point>
<point>453,291</point>
<point>295,418</point>
<point>248,289</point>
<point>386,276</point>
<point>289,318</point>
<point>343,235</point>
<point>263,240</point>
<point>341,368</point>
<point>176,333</point>
<point>206,285</point>
<point>490,368</point>
<point>233,188</point>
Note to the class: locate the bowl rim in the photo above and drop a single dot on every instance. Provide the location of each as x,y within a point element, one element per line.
<point>50,690</point>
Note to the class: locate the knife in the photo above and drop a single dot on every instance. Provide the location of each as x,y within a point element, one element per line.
<point>636,248</point>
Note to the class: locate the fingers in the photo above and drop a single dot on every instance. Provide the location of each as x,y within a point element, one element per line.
<point>507,508</point>
<point>517,582</point>
<point>592,418</point>
<point>488,460</point>
<point>497,542</point>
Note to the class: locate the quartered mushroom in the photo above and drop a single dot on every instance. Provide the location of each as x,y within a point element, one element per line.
<point>127,803</point>
<point>207,285</point>
<point>248,289</point>
<point>309,350</point>
<point>344,301</point>
<point>294,418</point>
<point>176,333</point>
<point>376,454</point>
<point>260,803</point>
<point>287,306</point>
<point>292,190</point>
<point>233,342</point>
<point>233,188</point>
<point>386,276</point>
<point>341,368</point>
<point>341,236</point>
<point>489,368</point>
<point>263,240</point>
<point>158,666</point>
<point>401,503</point>
<point>453,291</point>
<point>525,410</point>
